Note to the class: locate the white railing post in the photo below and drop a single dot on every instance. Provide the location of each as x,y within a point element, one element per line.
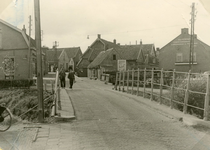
<point>206,106</point>
<point>123,81</point>
<point>187,93</point>
<point>120,76</point>
<point>132,80</point>
<point>145,74</point>
<point>138,76</point>
<point>172,89</point>
<point>116,81</point>
<point>127,80</point>
<point>152,80</point>
<point>161,85</point>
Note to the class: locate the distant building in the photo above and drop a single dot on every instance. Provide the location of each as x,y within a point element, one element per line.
<point>123,58</point>
<point>14,53</point>
<point>92,52</point>
<point>176,54</point>
<point>63,57</point>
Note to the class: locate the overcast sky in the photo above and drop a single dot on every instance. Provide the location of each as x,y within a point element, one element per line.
<point>70,22</point>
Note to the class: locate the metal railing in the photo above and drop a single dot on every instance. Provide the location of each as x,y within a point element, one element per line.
<point>155,82</point>
<point>56,103</point>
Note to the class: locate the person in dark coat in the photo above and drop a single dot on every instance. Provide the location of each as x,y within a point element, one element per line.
<point>62,76</point>
<point>71,77</point>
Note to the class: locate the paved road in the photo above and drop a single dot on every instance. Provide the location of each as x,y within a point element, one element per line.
<point>108,120</point>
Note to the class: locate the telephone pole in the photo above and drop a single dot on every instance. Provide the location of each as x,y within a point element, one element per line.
<point>192,22</point>
<point>29,50</point>
<point>39,61</point>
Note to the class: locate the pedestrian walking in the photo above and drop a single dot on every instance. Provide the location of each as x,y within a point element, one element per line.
<point>62,76</point>
<point>71,77</point>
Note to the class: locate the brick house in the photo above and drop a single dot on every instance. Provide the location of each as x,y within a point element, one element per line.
<point>176,54</point>
<point>92,52</point>
<point>63,57</point>
<point>14,53</point>
<point>135,56</point>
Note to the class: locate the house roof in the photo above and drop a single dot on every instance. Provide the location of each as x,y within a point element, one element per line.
<point>25,36</point>
<point>131,52</point>
<point>127,52</point>
<point>51,54</point>
<point>70,51</point>
<point>100,58</point>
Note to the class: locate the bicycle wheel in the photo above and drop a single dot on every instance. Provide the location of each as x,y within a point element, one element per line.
<point>5,119</point>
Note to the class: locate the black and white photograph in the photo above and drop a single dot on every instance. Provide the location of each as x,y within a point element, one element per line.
<point>104,75</point>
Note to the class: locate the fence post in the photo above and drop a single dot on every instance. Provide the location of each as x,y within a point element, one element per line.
<point>123,81</point>
<point>172,89</point>
<point>116,81</point>
<point>187,93</point>
<point>145,74</point>
<point>132,80</point>
<point>161,85</point>
<point>120,80</point>
<point>137,93</point>
<point>152,80</point>
<point>206,106</point>
<point>127,80</point>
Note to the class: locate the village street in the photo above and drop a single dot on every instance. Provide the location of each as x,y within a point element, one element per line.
<point>106,119</point>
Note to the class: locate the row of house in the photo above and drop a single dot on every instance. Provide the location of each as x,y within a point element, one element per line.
<point>108,57</point>
<point>18,54</point>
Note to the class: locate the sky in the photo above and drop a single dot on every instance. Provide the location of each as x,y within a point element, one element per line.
<point>71,22</point>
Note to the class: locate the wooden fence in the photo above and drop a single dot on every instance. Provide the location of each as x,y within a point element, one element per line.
<point>156,83</point>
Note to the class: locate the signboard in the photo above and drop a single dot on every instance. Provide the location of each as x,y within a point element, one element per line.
<point>121,65</point>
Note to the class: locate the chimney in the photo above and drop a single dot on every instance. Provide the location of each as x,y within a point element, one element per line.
<point>184,31</point>
<point>24,29</point>
<point>114,41</point>
<point>99,36</point>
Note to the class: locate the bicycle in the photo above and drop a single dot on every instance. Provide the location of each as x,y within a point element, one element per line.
<point>5,118</point>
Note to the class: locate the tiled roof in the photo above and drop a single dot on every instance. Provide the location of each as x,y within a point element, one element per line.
<point>51,54</point>
<point>100,58</point>
<point>131,52</point>
<point>71,51</point>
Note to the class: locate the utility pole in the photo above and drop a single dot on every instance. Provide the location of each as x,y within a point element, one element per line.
<point>29,50</point>
<point>192,22</point>
<point>39,61</point>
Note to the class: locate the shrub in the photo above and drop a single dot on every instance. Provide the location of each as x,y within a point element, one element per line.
<point>195,99</point>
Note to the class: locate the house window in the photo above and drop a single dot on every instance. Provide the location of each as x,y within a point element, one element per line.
<point>179,57</point>
<point>114,57</point>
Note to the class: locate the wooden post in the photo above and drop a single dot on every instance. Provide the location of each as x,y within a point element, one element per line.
<point>172,89</point>
<point>39,60</point>
<point>161,85</point>
<point>132,80</point>
<point>116,81</point>
<point>187,93</point>
<point>123,81</point>
<point>145,74</point>
<point>206,106</point>
<point>138,75</point>
<point>152,80</point>
<point>120,76</point>
<point>127,80</point>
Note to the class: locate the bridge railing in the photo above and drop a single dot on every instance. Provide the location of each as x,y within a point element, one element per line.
<point>156,83</point>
